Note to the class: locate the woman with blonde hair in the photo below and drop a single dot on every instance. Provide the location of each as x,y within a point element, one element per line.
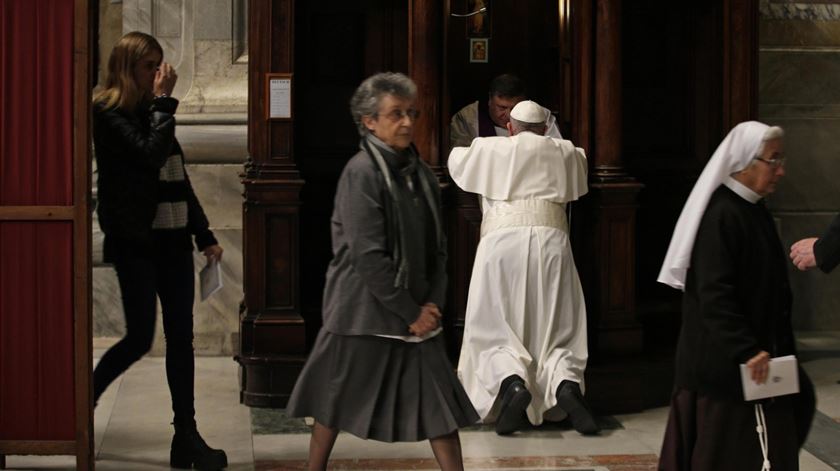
<point>149,214</point>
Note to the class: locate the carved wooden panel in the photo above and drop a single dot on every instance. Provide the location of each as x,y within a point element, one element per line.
<point>464,232</point>
<point>281,236</point>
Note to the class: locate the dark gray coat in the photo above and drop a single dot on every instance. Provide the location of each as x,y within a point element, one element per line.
<point>360,297</point>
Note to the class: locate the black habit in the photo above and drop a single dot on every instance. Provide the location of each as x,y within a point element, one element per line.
<point>737,303</point>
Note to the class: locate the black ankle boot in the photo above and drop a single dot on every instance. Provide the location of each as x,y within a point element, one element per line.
<point>190,450</point>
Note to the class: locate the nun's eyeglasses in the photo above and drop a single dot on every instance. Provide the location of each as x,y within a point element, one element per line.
<point>775,163</point>
<point>398,115</point>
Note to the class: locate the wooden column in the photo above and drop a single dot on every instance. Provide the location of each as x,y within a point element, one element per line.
<point>273,337</point>
<point>740,62</point>
<point>607,157</point>
<point>611,297</point>
<point>603,222</point>
<point>425,62</point>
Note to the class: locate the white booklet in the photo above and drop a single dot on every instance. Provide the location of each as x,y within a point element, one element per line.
<point>211,279</point>
<point>782,379</point>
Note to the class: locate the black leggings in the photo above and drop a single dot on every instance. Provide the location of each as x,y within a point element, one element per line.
<point>142,280</point>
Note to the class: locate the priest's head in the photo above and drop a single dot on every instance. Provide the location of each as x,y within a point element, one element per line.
<point>505,92</point>
<point>767,167</point>
<point>527,116</point>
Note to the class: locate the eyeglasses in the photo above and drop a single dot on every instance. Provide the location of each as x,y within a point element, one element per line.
<point>775,163</point>
<point>397,115</point>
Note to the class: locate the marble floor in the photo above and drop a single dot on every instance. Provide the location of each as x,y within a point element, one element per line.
<point>132,430</point>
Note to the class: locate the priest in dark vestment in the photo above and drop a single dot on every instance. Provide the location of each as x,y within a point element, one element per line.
<point>490,118</point>
<point>726,255</point>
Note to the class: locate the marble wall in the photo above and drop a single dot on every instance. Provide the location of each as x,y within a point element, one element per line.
<point>799,68</point>
<point>203,39</point>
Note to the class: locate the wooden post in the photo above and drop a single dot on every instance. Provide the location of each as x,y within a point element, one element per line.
<point>82,277</point>
<point>272,330</point>
<point>425,62</point>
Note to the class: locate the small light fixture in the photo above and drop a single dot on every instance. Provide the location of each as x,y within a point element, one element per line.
<point>477,12</point>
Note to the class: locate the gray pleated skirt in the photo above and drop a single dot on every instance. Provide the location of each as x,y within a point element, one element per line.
<point>381,389</point>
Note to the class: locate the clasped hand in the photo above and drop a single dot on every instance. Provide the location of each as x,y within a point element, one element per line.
<point>427,321</point>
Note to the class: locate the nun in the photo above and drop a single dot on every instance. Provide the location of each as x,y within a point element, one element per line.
<point>379,369</point>
<point>727,258</point>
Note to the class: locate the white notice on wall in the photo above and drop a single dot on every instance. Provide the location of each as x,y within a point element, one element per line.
<point>280,92</point>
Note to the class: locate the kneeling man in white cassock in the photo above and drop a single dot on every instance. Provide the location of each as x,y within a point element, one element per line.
<point>524,350</point>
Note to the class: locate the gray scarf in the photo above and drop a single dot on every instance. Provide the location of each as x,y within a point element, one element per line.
<point>427,179</point>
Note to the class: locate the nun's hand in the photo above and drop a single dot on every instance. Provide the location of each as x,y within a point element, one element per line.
<point>802,254</point>
<point>427,321</point>
<point>759,366</point>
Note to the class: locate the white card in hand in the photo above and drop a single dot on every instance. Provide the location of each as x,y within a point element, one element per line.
<point>782,379</point>
<point>210,278</point>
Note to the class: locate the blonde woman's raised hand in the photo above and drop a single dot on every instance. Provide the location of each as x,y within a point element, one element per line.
<point>165,79</point>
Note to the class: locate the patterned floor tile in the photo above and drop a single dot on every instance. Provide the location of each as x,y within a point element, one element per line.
<point>533,463</point>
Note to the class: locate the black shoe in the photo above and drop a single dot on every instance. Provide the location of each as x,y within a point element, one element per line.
<point>570,399</point>
<point>190,450</point>
<point>515,399</point>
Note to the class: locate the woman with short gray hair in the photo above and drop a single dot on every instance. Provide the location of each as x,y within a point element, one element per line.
<point>378,368</point>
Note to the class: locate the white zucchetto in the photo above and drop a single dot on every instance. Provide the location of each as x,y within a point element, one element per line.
<point>734,154</point>
<point>528,112</point>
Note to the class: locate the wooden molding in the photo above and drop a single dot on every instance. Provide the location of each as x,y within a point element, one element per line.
<point>38,447</point>
<point>37,213</point>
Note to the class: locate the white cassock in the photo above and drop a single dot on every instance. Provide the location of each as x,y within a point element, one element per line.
<point>525,311</point>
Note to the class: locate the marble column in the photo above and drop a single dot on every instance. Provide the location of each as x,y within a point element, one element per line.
<point>799,66</point>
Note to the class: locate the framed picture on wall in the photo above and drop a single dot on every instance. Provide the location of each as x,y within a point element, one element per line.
<point>478,26</point>
<point>479,49</point>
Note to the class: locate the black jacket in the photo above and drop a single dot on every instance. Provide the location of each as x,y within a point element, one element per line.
<point>827,247</point>
<point>737,298</point>
<point>130,150</point>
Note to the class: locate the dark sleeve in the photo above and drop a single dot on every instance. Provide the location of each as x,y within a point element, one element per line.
<point>714,262</point>
<point>437,289</point>
<point>359,202</point>
<point>827,247</point>
<point>146,146</point>
<point>197,223</point>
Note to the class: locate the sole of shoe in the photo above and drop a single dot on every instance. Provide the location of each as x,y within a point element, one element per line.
<point>582,419</point>
<point>510,419</point>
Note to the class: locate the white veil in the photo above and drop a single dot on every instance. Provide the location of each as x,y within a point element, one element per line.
<point>734,154</point>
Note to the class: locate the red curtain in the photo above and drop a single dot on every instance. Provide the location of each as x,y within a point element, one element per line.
<point>36,99</point>
<point>37,400</point>
<point>36,257</point>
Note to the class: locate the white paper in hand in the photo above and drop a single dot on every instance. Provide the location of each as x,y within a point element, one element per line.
<point>210,278</point>
<point>782,379</point>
